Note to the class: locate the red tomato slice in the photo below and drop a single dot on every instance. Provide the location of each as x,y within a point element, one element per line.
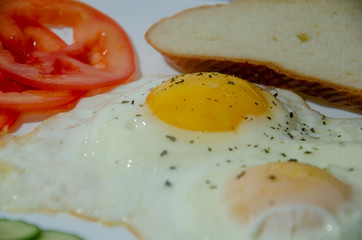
<point>7,121</point>
<point>37,100</point>
<point>101,55</point>
<point>21,98</point>
<point>7,85</point>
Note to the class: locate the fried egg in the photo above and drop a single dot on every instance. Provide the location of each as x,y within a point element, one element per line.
<point>196,156</point>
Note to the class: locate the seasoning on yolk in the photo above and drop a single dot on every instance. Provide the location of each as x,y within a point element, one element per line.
<point>208,102</point>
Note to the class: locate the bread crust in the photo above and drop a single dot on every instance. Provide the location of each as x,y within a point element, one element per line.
<point>265,73</point>
<point>270,74</point>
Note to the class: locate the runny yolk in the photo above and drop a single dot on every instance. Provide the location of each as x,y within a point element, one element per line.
<point>281,184</point>
<point>208,102</point>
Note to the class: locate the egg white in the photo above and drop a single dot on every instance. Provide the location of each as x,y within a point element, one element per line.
<point>110,159</point>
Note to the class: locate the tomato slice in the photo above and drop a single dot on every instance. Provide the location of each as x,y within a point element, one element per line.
<point>100,56</point>
<point>37,100</point>
<point>18,97</point>
<point>7,85</point>
<point>7,120</point>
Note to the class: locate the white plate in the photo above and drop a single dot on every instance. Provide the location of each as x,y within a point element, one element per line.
<point>135,17</point>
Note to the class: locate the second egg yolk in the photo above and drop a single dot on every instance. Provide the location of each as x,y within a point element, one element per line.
<point>285,183</point>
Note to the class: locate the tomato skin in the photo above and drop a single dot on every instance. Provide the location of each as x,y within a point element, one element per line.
<point>101,55</point>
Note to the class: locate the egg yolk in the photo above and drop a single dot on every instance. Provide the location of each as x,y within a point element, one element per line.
<point>284,183</point>
<point>208,102</point>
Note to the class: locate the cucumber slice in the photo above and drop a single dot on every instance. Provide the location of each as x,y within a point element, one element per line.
<point>17,230</point>
<point>55,235</point>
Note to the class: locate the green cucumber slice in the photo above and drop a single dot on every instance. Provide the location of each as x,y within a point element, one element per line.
<point>17,230</point>
<point>55,235</point>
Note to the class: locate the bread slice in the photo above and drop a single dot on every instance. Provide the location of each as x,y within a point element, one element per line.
<point>311,46</point>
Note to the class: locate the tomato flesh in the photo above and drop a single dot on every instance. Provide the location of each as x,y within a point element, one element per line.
<point>35,100</point>
<point>7,121</point>
<point>8,85</point>
<point>18,97</point>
